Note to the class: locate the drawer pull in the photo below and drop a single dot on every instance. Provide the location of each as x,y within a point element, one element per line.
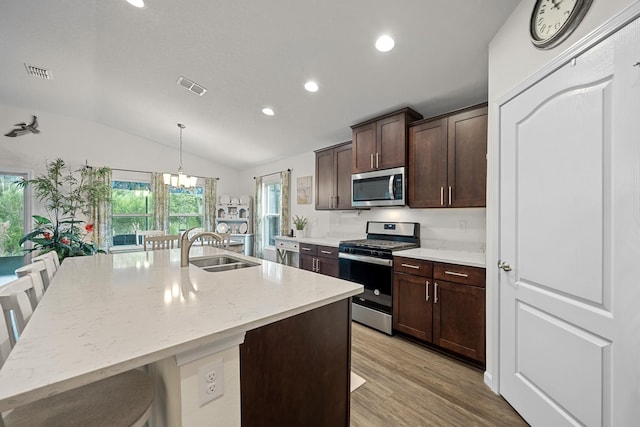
<point>305,249</point>
<point>416,267</point>
<point>453,273</point>
<point>327,252</point>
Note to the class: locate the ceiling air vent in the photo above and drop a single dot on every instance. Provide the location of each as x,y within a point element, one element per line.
<point>192,86</point>
<point>42,73</point>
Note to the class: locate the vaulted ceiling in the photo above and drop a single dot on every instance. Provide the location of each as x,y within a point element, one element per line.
<point>118,65</point>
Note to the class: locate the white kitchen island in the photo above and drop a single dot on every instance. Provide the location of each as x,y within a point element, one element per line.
<point>106,314</point>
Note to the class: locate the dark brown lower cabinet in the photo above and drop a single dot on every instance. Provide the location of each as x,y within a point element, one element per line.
<point>296,372</point>
<point>448,313</point>
<point>319,259</point>
<point>459,319</point>
<point>411,306</point>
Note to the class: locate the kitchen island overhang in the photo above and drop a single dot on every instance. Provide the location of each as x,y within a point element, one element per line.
<point>109,313</point>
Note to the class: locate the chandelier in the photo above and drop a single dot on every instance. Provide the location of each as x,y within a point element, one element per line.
<point>180,180</point>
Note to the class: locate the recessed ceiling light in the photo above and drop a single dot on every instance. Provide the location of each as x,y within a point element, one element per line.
<point>311,86</point>
<point>136,3</point>
<point>385,43</point>
<point>268,111</point>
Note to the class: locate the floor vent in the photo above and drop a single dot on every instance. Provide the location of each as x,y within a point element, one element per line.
<point>192,86</point>
<point>42,73</point>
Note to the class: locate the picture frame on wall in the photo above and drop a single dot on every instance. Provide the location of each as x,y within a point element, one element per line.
<point>304,190</point>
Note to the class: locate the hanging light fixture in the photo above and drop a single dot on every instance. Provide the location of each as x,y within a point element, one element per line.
<point>181,179</point>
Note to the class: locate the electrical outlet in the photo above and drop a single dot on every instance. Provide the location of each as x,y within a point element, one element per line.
<point>211,381</point>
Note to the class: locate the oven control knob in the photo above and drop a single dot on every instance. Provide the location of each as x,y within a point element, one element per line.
<point>376,292</point>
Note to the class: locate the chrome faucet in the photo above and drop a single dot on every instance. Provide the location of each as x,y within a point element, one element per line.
<point>186,243</point>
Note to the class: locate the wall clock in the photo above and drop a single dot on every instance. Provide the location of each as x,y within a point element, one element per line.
<point>553,20</point>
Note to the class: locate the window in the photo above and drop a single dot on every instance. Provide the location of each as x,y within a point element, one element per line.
<point>271,210</point>
<point>186,209</point>
<point>132,209</point>
<point>13,222</point>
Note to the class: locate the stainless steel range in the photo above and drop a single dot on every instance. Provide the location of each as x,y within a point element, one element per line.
<point>370,262</point>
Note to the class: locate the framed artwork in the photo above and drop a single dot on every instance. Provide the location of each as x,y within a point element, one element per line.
<point>304,190</point>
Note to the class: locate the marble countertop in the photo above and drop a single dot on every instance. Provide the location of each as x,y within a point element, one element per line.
<point>471,259</point>
<point>325,241</point>
<point>106,314</point>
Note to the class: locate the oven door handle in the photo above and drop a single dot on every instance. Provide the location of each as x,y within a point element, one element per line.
<point>367,259</point>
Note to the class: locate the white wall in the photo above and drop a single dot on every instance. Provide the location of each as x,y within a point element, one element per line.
<point>512,60</point>
<point>78,141</point>
<point>439,227</point>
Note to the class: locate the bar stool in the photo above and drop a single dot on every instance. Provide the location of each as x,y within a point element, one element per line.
<point>123,400</point>
<point>39,267</point>
<point>53,256</point>
<point>51,268</point>
<point>35,271</point>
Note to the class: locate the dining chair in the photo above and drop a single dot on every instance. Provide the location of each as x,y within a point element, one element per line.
<point>34,270</point>
<point>219,240</point>
<point>122,400</point>
<point>140,235</point>
<point>169,241</point>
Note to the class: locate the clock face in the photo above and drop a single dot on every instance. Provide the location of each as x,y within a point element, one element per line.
<point>553,20</point>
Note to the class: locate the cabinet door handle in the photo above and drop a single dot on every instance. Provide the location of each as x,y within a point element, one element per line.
<point>427,292</point>
<point>435,292</point>
<point>317,265</point>
<point>453,273</point>
<point>326,252</point>
<point>377,160</point>
<point>313,264</point>
<point>337,202</point>
<point>441,196</point>
<point>449,195</point>
<point>371,160</point>
<point>416,267</point>
<point>305,249</point>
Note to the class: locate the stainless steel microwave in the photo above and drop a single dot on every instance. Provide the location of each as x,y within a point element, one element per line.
<point>378,188</point>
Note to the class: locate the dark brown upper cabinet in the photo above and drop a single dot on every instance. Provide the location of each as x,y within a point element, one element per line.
<point>448,160</point>
<point>381,143</point>
<point>333,177</point>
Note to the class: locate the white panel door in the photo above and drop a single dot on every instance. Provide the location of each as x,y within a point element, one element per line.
<point>570,235</point>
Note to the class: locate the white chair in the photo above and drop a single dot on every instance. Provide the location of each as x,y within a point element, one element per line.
<point>219,240</point>
<point>50,268</point>
<point>41,268</point>
<point>123,400</point>
<point>140,235</point>
<point>52,255</point>
<point>35,271</point>
<point>16,305</point>
<point>169,241</point>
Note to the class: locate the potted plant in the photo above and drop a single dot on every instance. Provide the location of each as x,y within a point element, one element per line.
<point>299,222</point>
<point>68,197</point>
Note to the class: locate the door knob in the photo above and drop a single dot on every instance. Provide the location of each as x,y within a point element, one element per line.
<point>504,266</point>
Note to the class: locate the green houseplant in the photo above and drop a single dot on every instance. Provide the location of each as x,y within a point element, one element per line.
<point>68,197</point>
<point>299,222</point>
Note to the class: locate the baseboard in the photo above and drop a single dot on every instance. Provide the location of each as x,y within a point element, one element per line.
<point>488,380</point>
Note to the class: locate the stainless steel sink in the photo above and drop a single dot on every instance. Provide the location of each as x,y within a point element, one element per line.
<point>222,263</point>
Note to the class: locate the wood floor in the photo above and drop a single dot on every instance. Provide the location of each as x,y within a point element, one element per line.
<point>410,385</point>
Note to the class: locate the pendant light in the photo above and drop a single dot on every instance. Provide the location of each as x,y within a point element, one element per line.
<point>181,180</point>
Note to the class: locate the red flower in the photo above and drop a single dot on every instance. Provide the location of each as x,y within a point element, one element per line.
<point>65,240</point>
<point>89,228</point>
<point>47,236</point>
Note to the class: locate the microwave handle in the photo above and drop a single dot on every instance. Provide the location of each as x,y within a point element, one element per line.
<point>391,192</point>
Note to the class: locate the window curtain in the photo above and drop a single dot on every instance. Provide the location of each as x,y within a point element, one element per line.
<point>100,213</point>
<point>210,199</point>
<point>284,201</point>
<point>160,202</point>
<point>258,247</point>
